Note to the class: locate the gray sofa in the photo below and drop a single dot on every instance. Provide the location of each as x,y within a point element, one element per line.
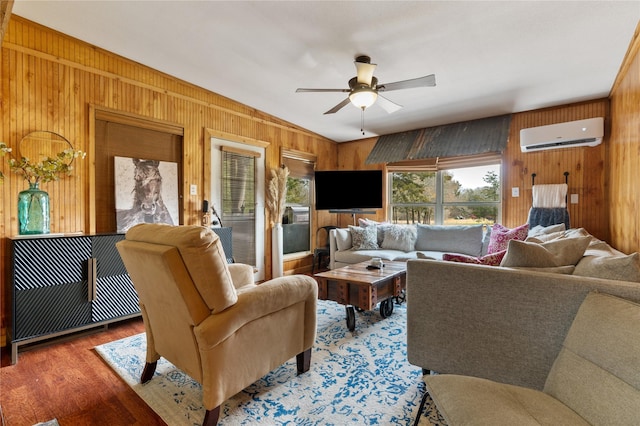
<point>492,322</point>
<point>404,242</point>
<point>595,379</point>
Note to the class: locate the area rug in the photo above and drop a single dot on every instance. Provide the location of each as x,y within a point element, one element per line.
<point>356,378</point>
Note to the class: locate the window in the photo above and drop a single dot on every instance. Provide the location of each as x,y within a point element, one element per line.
<point>296,223</point>
<point>237,195</point>
<point>239,203</point>
<point>450,196</point>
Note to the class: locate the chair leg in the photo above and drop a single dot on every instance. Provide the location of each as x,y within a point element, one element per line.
<point>147,373</point>
<point>303,360</point>
<point>211,417</point>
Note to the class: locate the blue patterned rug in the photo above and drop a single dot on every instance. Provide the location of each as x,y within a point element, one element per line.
<point>359,378</point>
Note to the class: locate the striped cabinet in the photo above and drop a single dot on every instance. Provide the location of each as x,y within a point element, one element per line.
<point>65,284</point>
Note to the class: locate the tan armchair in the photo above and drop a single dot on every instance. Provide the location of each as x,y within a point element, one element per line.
<point>208,318</point>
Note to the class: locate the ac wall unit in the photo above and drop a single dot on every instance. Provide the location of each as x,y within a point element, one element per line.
<point>587,132</point>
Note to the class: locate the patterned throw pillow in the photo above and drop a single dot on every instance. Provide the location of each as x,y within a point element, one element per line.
<point>363,238</point>
<point>492,259</point>
<point>500,236</point>
<point>400,237</point>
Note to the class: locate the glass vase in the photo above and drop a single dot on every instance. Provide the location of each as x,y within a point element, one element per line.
<point>33,211</point>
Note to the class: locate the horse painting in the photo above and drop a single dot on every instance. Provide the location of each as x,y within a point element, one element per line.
<point>148,205</point>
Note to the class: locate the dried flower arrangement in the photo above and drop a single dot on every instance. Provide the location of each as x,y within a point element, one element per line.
<point>277,193</point>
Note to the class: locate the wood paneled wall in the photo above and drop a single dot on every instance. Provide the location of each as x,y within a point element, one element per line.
<point>586,167</point>
<point>624,153</point>
<point>54,82</point>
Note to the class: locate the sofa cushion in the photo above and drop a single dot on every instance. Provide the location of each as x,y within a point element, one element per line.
<point>363,238</point>
<point>492,259</point>
<point>466,400</point>
<point>597,373</point>
<point>399,237</point>
<point>486,239</point>
<point>450,239</point>
<point>623,268</point>
<point>552,253</point>
<point>343,239</point>
<point>500,236</point>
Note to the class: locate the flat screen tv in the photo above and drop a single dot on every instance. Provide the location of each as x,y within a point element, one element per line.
<point>348,189</point>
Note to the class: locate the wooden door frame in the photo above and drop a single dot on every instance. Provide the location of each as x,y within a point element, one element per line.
<point>120,117</point>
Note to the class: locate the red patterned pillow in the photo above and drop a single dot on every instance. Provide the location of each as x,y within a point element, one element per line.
<point>492,259</point>
<point>501,235</point>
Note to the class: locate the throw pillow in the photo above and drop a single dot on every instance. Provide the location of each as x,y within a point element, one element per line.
<point>399,237</point>
<point>563,252</point>
<point>343,239</point>
<point>466,239</point>
<point>363,238</point>
<point>380,227</point>
<point>543,238</point>
<point>542,230</point>
<point>622,268</point>
<point>501,235</point>
<point>492,259</point>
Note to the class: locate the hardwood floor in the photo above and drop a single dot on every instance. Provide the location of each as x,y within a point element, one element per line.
<point>69,381</point>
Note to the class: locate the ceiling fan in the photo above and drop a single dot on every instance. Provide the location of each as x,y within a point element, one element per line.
<point>364,89</point>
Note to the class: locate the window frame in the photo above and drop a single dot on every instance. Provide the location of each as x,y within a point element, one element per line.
<point>439,166</point>
<point>301,166</point>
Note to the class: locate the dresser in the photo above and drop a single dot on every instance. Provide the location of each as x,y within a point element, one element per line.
<point>66,284</point>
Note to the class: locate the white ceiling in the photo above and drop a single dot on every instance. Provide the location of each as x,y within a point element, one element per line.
<point>489,57</point>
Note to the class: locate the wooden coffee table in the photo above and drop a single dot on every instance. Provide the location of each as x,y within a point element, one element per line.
<point>360,288</point>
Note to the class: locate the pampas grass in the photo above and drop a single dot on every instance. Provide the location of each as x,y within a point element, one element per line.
<point>277,193</point>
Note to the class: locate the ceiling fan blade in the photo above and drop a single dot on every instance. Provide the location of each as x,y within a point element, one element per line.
<point>365,72</point>
<point>300,90</point>
<point>388,105</point>
<point>426,81</point>
<point>339,106</point>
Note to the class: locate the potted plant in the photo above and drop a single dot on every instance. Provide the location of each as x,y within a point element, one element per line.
<point>33,203</point>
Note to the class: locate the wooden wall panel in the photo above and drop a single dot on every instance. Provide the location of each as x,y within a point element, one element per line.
<point>624,153</point>
<point>586,167</point>
<point>54,82</point>
<point>352,156</point>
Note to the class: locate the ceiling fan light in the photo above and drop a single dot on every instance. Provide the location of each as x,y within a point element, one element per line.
<point>363,97</point>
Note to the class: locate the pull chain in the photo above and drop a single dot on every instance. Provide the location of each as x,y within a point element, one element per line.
<point>362,121</point>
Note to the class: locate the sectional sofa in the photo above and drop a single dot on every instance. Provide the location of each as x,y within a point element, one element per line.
<point>403,242</point>
<point>508,325</point>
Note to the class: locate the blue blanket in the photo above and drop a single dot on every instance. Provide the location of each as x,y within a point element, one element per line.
<point>548,217</point>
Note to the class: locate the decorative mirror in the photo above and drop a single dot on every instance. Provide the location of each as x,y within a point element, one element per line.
<point>41,144</point>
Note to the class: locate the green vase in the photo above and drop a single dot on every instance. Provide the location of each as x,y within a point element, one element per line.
<point>33,211</point>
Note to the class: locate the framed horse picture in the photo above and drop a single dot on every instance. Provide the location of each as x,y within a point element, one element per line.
<point>146,192</point>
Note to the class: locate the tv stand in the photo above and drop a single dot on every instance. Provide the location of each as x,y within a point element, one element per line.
<point>353,213</point>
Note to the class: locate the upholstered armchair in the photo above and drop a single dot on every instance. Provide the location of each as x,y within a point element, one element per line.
<point>208,318</point>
